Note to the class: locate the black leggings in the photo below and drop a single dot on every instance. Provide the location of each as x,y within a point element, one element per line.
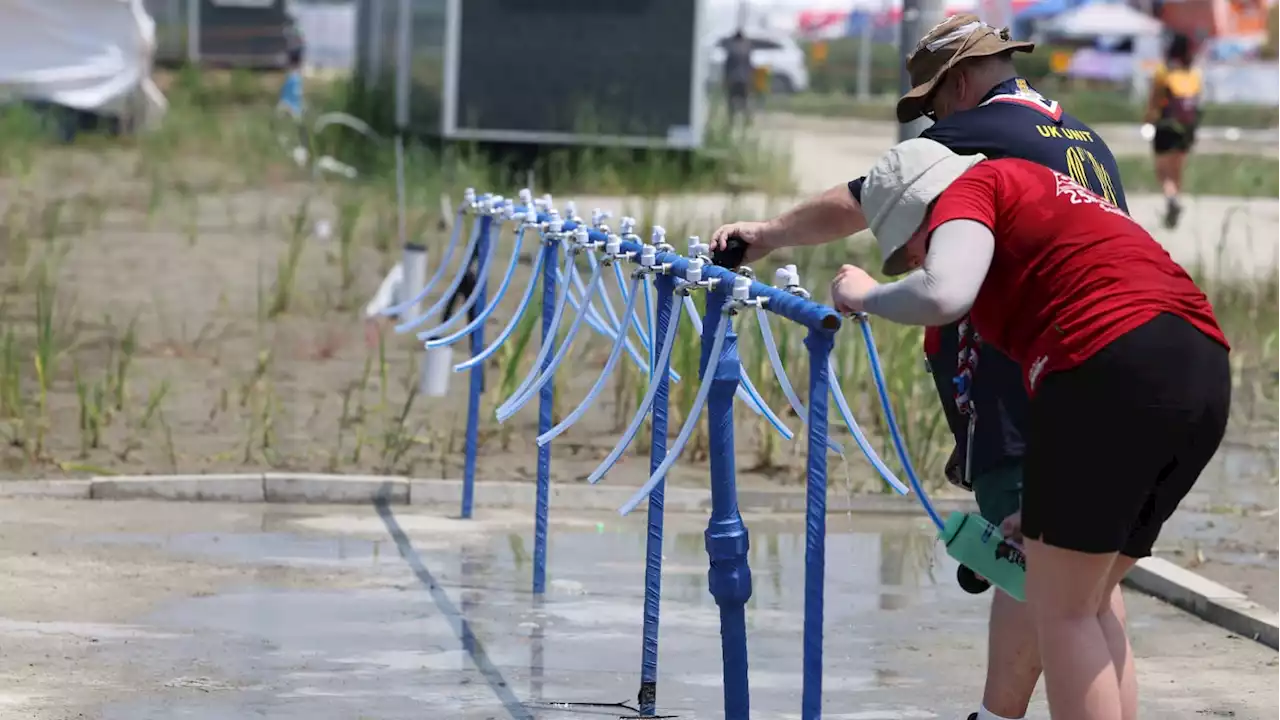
<point>1118,441</point>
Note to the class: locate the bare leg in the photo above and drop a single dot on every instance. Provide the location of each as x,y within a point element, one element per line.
<point>1066,590</point>
<point>1013,657</point>
<point>1113,619</point>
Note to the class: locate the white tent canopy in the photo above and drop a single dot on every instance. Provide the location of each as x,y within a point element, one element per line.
<point>89,55</point>
<point>1104,20</point>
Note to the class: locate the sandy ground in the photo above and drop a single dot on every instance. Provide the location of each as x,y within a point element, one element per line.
<point>142,611</point>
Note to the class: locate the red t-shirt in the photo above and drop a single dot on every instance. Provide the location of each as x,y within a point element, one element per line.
<point>1071,272</point>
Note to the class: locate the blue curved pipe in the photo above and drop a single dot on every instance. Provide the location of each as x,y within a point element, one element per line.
<point>521,309</point>
<point>490,306</point>
<point>454,236</point>
<point>482,275</point>
<point>448,291</point>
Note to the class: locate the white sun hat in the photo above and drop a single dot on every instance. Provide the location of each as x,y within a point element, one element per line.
<point>898,191</point>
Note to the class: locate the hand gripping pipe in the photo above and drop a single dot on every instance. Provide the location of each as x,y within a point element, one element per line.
<point>513,405</point>
<point>544,353</point>
<point>491,305</point>
<point>901,447</point>
<point>613,256</point>
<point>469,203</point>
<point>450,289</point>
<point>489,251</point>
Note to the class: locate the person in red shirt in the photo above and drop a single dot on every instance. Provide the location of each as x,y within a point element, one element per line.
<point>1121,355</point>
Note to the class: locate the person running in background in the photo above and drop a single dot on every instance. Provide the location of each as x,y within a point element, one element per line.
<point>1174,109</point>
<point>739,76</point>
<point>963,77</point>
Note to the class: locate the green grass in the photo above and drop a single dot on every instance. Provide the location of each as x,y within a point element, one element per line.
<point>1229,175</point>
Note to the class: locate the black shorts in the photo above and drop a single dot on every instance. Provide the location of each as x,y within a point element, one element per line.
<point>1173,139</point>
<point>1116,443</point>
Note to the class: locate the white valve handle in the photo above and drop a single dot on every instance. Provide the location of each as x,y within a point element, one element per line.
<point>648,256</point>
<point>555,226</point>
<point>571,210</point>
<point>697,247</point>
<point>526,197</point>
<point>694,273</point>
<point>659,236</point>
<point>613,246</point>
<point>787,276</point>
<point>469,196</point>
<point>627,225</point>
<point>581,237</point>
<point>741,288</point>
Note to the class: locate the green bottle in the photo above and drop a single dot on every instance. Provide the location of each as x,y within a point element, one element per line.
<point>978,545</point>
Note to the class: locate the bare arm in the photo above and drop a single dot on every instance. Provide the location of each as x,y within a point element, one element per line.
<point>944,289</point>
<point>1154,98</point>
<point>830,216</point>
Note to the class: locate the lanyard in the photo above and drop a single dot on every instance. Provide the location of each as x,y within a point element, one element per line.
<point>966,364</point>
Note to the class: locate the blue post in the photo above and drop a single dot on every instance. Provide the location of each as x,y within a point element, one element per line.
<point>648,697</point>
<point>477,376</point>
<point>550,259</point>
<point>820,343</point>
<point>729,578</point>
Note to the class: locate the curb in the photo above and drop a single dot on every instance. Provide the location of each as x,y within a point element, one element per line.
<point>1159,578</point>
<point>1205,599</point>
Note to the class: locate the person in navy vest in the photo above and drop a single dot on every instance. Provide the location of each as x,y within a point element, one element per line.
<point>964,79</point>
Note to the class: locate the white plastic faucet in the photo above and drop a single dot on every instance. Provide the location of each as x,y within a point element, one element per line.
<point>693,274</point>
<point>659,236</point>
<point>627,225</point>
<point>613,246</point>
<point>526,197</point>
<point>648,256</point>
<point>469,196</point>
<point>741,289</point>
<point>697,248</point>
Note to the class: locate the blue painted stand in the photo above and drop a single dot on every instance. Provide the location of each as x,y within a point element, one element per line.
<point>550,260</point>
<point>648,696</point>
<point>729,578</point>
<point>477,377</point>
<point>820,343</point>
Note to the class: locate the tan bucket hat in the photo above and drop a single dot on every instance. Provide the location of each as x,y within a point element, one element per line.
<point>957,38</point>
<point>900,188</point>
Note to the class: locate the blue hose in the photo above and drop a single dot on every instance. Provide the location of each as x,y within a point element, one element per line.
<point>614,353</point>
<point>898,444</point>
<point>491,305</point>
<point>454,236</point>
<point>448,291</point>
<point>747,390</point>
<point>771,348</point>
<point>858,437</point>
<point>521,309</point>
<point>695,415</point>
<point>482,275</point>
<point>557,312</point>
<point>645,403</point>
<point>513,405</point>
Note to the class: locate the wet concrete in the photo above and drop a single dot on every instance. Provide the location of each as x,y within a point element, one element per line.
<point>314,613</point>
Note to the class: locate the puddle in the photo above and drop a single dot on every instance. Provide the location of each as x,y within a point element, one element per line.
<point>393,653</point>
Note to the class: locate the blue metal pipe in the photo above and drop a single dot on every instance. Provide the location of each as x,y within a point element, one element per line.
<point>820,344</point>
<point>648,696</point>
<point>546,395</point>
<point>727,541</point>
<point>477,377</point>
